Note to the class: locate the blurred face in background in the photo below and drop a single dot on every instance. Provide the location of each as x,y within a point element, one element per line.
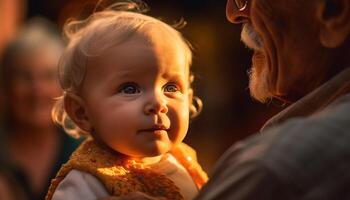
<point>32,87</point>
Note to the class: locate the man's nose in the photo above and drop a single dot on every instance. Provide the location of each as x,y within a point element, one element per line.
<point>156,104</point>
<point>237,11</point>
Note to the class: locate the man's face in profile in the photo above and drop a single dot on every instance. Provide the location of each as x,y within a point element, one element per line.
<point>283,35</point>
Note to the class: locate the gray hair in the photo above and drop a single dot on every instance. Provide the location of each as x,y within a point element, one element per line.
<point>36,34</point>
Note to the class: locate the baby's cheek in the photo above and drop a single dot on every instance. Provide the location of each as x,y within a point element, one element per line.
<point>180,129</point>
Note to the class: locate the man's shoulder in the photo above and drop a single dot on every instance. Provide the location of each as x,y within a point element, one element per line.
<point>331,122</point>
<point>328,128</point>
<point>304,157</point>
<point>338,110</point>
<point>301,150</point>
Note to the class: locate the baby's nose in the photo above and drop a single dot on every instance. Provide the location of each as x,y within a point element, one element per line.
<point>155,106</point>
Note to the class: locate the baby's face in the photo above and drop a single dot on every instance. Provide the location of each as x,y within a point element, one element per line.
<point>137,96</point>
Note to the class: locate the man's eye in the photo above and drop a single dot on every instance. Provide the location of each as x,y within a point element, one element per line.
<point>171,88</point>
<point>129,89</point>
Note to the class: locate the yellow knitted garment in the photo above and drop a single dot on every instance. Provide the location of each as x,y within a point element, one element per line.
<point>122,175</point>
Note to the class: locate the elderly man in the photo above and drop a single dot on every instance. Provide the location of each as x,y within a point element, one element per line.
<point>301,55</point>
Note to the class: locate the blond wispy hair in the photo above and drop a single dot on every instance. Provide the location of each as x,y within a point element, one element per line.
<point>99,32</point>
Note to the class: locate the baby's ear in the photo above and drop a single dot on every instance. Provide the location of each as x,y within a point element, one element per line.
<point>192,108</point>
<point>75,108</point>
<point>190,96</point>
<point>195,104</point>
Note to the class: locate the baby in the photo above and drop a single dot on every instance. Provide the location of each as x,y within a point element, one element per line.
<point>127,85</point>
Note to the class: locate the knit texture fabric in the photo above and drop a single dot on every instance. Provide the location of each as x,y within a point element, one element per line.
<point>121,175</point>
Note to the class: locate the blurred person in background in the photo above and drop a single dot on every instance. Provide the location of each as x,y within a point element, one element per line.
<point>33,146</point>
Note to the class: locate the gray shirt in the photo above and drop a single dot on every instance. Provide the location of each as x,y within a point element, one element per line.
<point>303,158</point>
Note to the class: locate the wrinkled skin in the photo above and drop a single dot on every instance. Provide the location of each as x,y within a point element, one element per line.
<point>290,60</point>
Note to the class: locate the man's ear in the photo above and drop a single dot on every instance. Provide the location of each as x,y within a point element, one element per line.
<point>334,19</point>
<point>75,108</point>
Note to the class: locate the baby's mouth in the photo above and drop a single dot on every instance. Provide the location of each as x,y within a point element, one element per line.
<point>155,128</point>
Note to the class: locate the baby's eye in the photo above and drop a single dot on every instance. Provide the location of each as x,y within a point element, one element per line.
<point>129,89</point>
<point>171,88</point>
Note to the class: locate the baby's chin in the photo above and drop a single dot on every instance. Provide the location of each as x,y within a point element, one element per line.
<point>151,149</point>
<point>157,148</point>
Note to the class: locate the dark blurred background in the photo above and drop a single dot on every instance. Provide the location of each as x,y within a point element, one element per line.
<point>220,64</point>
